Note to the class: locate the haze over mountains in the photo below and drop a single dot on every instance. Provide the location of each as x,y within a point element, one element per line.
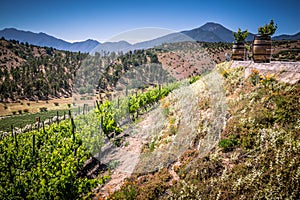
<point>209,32</point>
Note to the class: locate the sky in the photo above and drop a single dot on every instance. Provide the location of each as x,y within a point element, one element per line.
<point>103,20</point>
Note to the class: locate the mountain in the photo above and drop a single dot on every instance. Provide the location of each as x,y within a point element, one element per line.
<point>111,47</point>
<point>85,46</point>
<point>287,37</point>
<point>42,39</point>
<point>209,32</point>
<point>224,34</point>
<point>39,39</point>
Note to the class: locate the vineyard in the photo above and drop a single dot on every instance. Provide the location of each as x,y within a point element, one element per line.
<point>43,164</point>
<point>47,163</point>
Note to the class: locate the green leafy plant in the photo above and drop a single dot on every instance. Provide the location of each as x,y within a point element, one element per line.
<point>267,29</point>
<point>228,144</point>
<point>44,167</point>
<point>194,79</point>
<point>240,36</point>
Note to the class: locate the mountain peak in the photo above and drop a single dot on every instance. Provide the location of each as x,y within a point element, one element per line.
<point>212,26</point>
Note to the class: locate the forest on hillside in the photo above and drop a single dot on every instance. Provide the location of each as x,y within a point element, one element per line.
<point>36,73</point>
<point>40,73</point>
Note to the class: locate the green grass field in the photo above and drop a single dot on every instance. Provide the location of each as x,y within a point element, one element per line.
<point>21,121</point>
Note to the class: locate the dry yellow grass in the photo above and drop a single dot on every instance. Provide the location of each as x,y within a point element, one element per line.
<point>34,106</point>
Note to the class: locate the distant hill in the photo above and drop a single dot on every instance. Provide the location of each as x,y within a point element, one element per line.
<point>112,47</point>
<point>287,37</point>
<point>85,46</point>
<point>42,39</point>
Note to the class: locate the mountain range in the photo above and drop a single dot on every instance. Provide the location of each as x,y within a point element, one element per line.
<point>209,32</point>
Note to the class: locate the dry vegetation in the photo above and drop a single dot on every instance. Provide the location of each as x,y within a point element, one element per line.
<point>256,156</point>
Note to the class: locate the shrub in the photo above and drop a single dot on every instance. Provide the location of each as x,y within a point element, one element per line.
<point>56,103</point>
<point>14,112</point>
<point>28,104</point>
<point>26,110</point>
<point>43,109</point>
<point>228,144</point>
<point>194,79</point>
<point>240,36</point>
<point>20,111</point>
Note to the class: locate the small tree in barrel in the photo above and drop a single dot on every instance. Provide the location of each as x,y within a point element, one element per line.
<point>238,49</point>
<point>240,36</point>
<point>262,44</point>
<point>267,29</point>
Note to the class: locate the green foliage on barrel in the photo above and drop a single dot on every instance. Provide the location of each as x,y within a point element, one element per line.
<point>262,44</point>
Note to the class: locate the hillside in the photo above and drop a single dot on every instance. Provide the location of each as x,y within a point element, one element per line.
<point>112,73</point>
<point>223,137</point>
<point>35,73</point>
<point>105,71</point>
<point>231,133</point>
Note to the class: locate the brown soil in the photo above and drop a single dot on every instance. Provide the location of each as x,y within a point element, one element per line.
<point>126,156</point>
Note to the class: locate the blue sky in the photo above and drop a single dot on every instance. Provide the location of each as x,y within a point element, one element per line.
<point>101,20</point>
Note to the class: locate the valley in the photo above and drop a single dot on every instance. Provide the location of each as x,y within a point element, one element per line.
<point>166,122</point>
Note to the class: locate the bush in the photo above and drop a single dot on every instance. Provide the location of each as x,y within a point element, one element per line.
<point>26,110</point>
<point>43,109</point>
<point>14,112</point>
<point>20,111</point>
<point>56,103</point>
<point>228,144</point>
<point>194,79</point>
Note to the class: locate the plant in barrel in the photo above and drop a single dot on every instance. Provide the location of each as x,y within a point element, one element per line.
<point>238,48</point>
<point>262,44</point>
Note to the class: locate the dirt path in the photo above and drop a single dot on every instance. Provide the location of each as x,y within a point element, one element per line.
<point>127,157</point>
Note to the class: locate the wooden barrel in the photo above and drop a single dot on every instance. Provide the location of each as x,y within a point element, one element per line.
<point>238,51</point>
<point>261,49</point>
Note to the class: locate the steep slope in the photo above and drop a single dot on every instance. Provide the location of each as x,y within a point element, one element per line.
<point>32,72</point>
<point>254,155</point>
